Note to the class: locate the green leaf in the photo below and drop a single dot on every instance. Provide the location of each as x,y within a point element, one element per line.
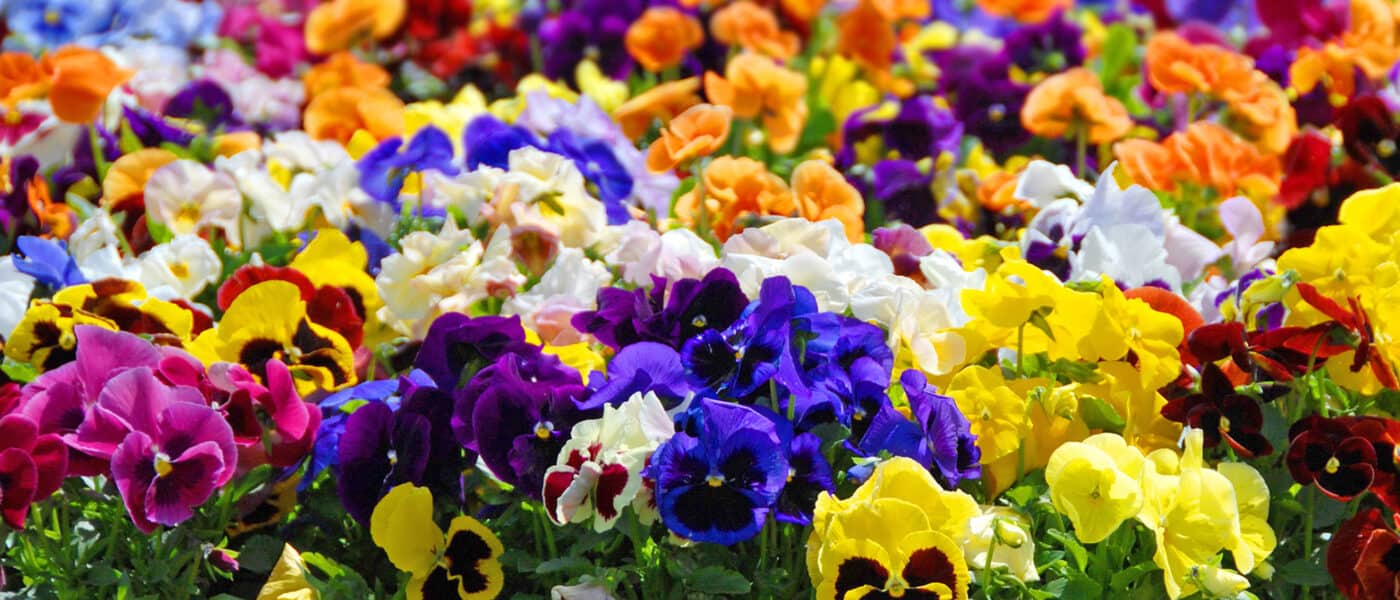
<point>717,580</point>
<point>127,140</point>
<point>159,232</point>
<point>831,434</point>
<point>259,554</point>
<point>1304,572</point>
<point>1122,579</point>
<point>1072,546</point>
<point>1038,321</point>
<point>1098,414</point>
<point>18,372</point>
<point>332,569</point>
<point>564,564</point>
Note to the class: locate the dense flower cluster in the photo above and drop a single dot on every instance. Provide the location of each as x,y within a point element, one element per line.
<point>594,299</point>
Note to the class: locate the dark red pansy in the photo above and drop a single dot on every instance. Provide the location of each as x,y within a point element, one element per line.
<point>1344,550</point>
<point>1384,435</point>
<point>1278,354</point>
<point>1222,414</point>
<point>1324,452</point>
<point>610,485</point>
<point>332,308</point>
<point>1305,167</point>
<point>1369,132</point>
<point>1378,565</point>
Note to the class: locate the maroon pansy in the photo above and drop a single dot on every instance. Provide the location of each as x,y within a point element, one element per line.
<point>1325,452</point>
<point>1222,414</point>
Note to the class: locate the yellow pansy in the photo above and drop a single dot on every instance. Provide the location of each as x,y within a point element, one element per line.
<point>44,338</point>
<point>997,412</point>
<point>288,579</point>
<point>1053,421</point>
<point>840,85</point>
<point>1374,211</point>
<point>1089,486</point>
<point>1131,325</point>
<point>464,564</point>
<point>898,521</point>
<point>127,304</point>
<point>1336,273</point>
<point>268,321</point>
<point>604,90</point>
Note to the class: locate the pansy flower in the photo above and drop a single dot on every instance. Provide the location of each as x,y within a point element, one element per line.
<point>169,450</point>
<point>519,411</point>
<point>463,564</point>
<point>380,449</point>
<point>599,472</point>
<point>44,337</point>
<point>671,313</point>
<point>1361,557</point>
<point>1222,414</point>
<point>640,368</point>
<point>1325,452</point>
<point>32,466</point>
<point>326,305</point>
<point>127,305</point>
<point>385,169</point>
<point>48,262</point>
<point>809,475</point>
<point>269,321</point>
<point>718,484</point>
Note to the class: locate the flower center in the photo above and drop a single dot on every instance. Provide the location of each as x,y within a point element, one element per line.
<point>52,16</point>
<point>179,269</point>
<point>791,473</point>
<point>1386,148</point>
<point>163,466</point>
<point>715,480</point>
<point>996,112</point>
<point>544,430</point>
<point>393,456</point>
<point>698,322</point>
<point>1333,465</point>
<point>1224,424</point>
<point>897,588</point>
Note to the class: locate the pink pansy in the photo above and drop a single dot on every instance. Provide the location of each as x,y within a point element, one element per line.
<point>169,450</point>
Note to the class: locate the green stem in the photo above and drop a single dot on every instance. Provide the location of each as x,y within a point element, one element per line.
<point>1308,531</point>
<point>1081,150</point>
<point>98,158</point>
<point>986,582</point>
<point>1020,350</point>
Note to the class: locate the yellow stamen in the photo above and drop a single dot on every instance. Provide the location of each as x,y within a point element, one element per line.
<point>163,466</point>
<point>1333,465</point>
<point>715,480</point>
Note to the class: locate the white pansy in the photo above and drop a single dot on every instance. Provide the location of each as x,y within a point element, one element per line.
<point>96,247</point>
<point>550,193</point>
<point>180,268</point>
<point>1126,254</point>
<point>467,192</point>
<point>15,288</point>
<point>1042,183</point>
<point>569,286</point>
<point>1246,225</point>
<point>413,281</point>
<point>297,151</point>
<point>187,197</point>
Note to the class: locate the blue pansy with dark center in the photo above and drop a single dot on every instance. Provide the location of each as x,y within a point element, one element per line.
<point>809,474</point>
<point>669,314</point>
<point>640,368</point>
<point>489,141</point>
<point>48,262</point>
<point>717,483</point>
<point>380,448</point>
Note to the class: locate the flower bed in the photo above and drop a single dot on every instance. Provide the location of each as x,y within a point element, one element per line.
<point>622,299</point>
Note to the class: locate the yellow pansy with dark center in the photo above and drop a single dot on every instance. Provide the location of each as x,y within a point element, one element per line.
<point>268,321</point>
<point>130,308</point>
<point>44,337</point>
<point>470,568</point>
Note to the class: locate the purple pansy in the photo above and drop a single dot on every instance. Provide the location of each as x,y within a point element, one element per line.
<point>380,448</point>
<point>668,315</point>
<point>383,169</point>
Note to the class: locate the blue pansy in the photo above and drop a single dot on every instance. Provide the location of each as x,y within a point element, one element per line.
<point>596,161</point>
<point>809,474</point>
<point>489,141</point>
<point>324,454</point>
<point>46,24</point>
<point>383,169</point>
<point>48,262</point>
<point>718,483</point>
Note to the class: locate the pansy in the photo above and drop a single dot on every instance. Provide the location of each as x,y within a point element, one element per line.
<point>48,262</point>
<point>1074,103</point>
<point>671,313</point>
<point>464,563</point>
<point>549,192</point>
<point>45,336</point>
<point>187,197</point>
<point>662,37</point>
<point>385,169</point>
<point>599,472</point>
<point>269,321</point>
<point>32,467</point>
<point>758,88</point>
<point>381,448</point>
<point>180,268</point>
<point>132,309</point>
<point>1325,452</point>
<point>718,484</point>
<point>169,450</point>
<point>516,413</point>
<point>809,475</point>
<point>643,367</point>
<point>1094,483</point>
<point>1222,414</point>
<point>898,534</point>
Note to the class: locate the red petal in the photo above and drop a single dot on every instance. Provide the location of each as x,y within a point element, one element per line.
<point>249,275</point>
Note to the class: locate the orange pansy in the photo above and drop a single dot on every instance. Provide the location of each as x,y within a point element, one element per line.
<point>1175,65</point>
<point>1074,98</point>
<point>342,69</point>
<point>866,34</point>
<point>339,113</point>
<point>756,87</point>
<point>662,37</point>
<point>699,131</point>
<point>1262,113</point>
<point>1025,11</point>
<point>821,192</point>
<point>1205,155</point>
<point>339,24</point>
<point>125,184</point>
<point>753,28</point>
<point>732,188</point>
<point>802,10</point>
<point>662,103</point>
<point>79,81</point>
<point>21,78</point>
